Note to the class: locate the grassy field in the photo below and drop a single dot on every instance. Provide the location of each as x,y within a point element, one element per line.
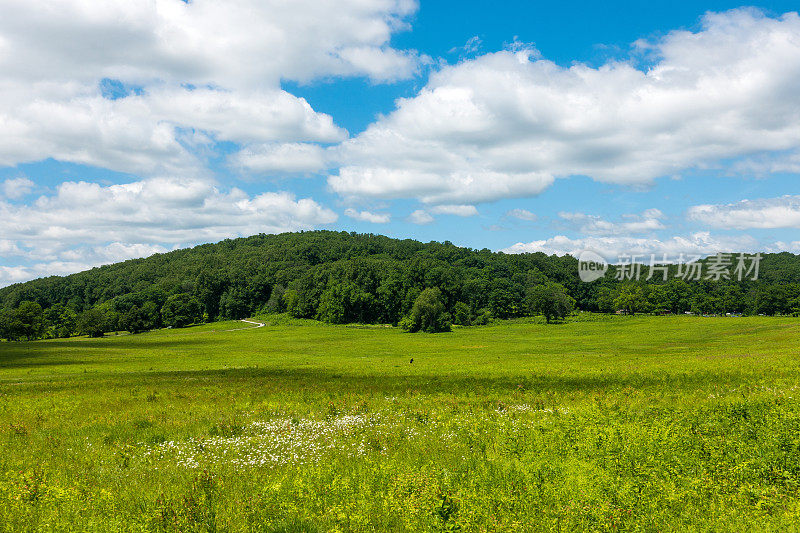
<point>601,423</point>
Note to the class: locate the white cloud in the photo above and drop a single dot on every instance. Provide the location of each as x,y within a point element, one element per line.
<point>210,70</point>
<point>522,214</point>
<point>781,246</point>
<point>245,43</point>
<point>472,45</point>
<point>141,133</point>
<point>17,187</point>
<point>782,212</point>
<point>111,253</point>
<point>457,210</point>
<point>76,260</point>
<point>646,222</point>
<point>156,210</point>
<point>14,274</point>
<point>433,187</point>
<point>766,164</point>
<point>87,224</point>
<point>9,247</point>
<point>612,248</point>
<point>366,216</point>
<point>420,217</point>
<point>507,124</point>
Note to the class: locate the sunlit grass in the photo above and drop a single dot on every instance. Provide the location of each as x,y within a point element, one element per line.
<point>600,423</point>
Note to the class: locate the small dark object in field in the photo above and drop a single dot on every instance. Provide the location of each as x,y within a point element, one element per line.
<point>412,360</point>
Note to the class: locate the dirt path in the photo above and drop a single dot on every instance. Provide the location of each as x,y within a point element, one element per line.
<point>256,325</point>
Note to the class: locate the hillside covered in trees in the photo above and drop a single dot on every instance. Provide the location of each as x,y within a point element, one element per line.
<point>341,277</point>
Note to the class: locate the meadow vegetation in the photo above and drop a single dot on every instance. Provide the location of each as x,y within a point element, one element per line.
<point>598,423</point>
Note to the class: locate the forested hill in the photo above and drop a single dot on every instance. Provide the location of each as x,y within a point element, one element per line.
<point>243,271</point>
<point>345,277</point>
<point>377,275</point>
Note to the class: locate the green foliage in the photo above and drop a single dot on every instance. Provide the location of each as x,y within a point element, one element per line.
<point>631,299</point>
<point>139,319</point>
<point>428,313</point>
<point>276,302</point>
<point>234,304</point>
<point>209,288</point>
<point>347,302</point>
<point>10,326</point>
<point>29,320</point>
<point>302,299</point>
<point>483,317</point>
<point>181,310</point>
<point>550,300</point>
<point>462,315</point>
<point>340,277</point>
<point>332,305</point>
<point>95,322</point>
<point>365,278</point>
<point>605,299</point>
<point>62,321</point>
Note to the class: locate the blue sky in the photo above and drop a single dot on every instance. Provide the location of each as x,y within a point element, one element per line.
<point>624,127</point>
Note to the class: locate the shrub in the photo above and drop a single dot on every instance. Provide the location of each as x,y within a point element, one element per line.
<point>551,300</point>
<point>94,322</point>
<point>483,317</point>
<point>428,313</point>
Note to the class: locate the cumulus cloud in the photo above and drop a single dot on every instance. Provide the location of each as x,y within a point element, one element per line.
<point>420,217</point>
<point>14,274</point>
<point>782,212</point>
<point>157,210</point>
<point>522,214</point>
<point>179,68</point>
<point>507,124</point>
<point>79,259</point>
<point>367,216</point>
<point>247,43</point>
<point>425,216</point>
<point>646,222</point>
<point>765,164</point>
<point>9,247</point>
<point>84,224</point>
<point>457,210</point>
<point>111,253</point>
<point>142,133</point>
<point>612,248</point>
<point>782,246</point>
<point>16,187</point>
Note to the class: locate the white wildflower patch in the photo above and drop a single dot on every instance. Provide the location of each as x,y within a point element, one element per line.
<point>286,441</point>
<point>282,441</point>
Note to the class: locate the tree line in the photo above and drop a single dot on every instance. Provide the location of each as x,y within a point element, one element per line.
<point>340,277</point>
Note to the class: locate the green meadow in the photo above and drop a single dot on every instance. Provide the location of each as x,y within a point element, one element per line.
<point>602,423</point>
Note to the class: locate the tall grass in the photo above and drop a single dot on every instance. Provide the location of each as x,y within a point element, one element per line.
<point>617,423</point>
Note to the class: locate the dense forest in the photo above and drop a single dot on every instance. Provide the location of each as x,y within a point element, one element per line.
<point>341,277</point>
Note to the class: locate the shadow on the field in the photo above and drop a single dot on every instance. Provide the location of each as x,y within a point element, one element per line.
<point>326,381</point>
<point>79,351</point>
